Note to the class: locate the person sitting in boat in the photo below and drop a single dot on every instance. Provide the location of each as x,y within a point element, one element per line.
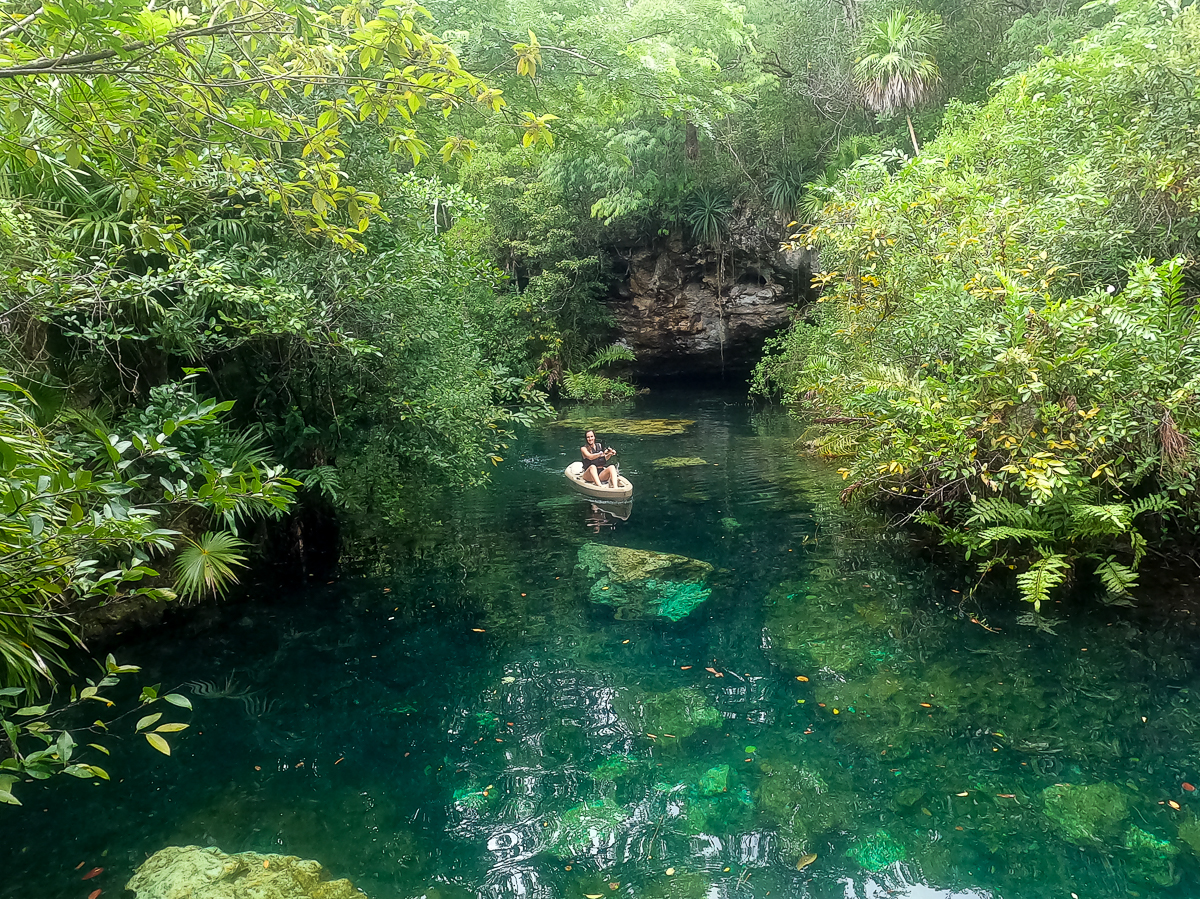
<point>595,458</point>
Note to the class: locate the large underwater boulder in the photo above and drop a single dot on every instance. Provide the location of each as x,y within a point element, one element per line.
<point>1086,814</point>
<point>191,872</point>
<point>671,716</point>
<point>587,828</point>
<point>640,583</point>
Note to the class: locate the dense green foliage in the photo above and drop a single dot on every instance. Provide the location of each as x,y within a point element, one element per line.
<point>995,350</point>
<point>261,253</point>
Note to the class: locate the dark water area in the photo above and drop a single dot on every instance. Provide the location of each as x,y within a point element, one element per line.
<point>465,714</point>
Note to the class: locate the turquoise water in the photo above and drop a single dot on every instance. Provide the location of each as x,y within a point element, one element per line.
<point>472,713</point>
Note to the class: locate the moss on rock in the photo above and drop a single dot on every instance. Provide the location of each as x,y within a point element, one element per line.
<point>587,826</point>
<point>877,851</point>
<point>1151,859</point>
<point>645,584</point>
<point>670,716</point>
<point>192,872</point>
<point>1086,814</point>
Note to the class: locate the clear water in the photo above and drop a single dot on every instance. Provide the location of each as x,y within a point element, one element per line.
<point>454,717</point>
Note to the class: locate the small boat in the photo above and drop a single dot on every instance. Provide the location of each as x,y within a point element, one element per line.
<point>623,490</point>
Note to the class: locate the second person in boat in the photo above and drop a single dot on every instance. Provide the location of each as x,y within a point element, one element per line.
<point>595,459</point>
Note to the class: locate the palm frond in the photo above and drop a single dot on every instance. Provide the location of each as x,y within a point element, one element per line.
<point>206,565</point>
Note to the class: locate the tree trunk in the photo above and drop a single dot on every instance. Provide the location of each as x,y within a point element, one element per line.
<point>912,134</point>
<point>691,142</point>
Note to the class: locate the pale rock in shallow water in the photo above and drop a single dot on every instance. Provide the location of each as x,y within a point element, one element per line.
<point>645,584</point>
<point>190,872</point>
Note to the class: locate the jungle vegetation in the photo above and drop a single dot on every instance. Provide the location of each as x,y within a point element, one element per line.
<point>262,253</point>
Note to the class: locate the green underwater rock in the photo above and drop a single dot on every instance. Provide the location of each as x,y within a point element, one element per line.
<point>678,886</point>
<point>191,872</point>
<point>877,851</point>
<point>730,524</point>
<point>714,781</point>
<point>1189,832</point>
<point>588,824</point>
<point>798,801</point>
<point>1087,813</point>
<point>679,462</point>
<point>613,767</point>
<point>670,716</point>
<point>1152,860</point>
<point>645,584</point>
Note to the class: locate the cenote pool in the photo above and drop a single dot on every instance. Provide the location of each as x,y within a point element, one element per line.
<point>512,706</point>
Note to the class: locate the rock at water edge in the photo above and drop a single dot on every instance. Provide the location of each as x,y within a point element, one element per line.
<point>192,872</point>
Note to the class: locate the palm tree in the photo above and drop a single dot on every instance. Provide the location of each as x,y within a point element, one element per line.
<point>897,70</point>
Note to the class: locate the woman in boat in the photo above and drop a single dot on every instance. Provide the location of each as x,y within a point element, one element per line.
<point>596,457</point>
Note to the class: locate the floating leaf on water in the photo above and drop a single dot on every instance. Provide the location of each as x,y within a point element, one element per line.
<point>1006,795</point>
<point>593,895</point>
<point>92,873</point>
<point>805,860</point>
<point>752,749</point>
<point>1175,805</point>
<point>1187,786</point>
<point>802,678</point>
<point>479,630</point>
<point>963,793</point>
<point>94,893</point>
<point>670,871</point>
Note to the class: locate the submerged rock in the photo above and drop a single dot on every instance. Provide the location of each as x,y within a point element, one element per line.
<point>587,827</point>
<point>877,851</point>
<point>1151,859</point>
<point>645,584</point>
<point>798,801</point>
<point>670,716</point>
<point>714,781</point>
<point>190,872</point>
<point>1088,813</point>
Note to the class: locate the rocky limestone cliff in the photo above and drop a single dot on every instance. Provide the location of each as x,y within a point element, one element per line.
<point>667,308</point>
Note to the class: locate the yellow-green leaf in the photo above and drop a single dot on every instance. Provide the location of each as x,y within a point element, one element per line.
<point>159,743</point>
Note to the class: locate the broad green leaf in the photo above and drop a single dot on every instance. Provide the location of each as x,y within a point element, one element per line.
<point>158,743</point>
<point>145,722</point>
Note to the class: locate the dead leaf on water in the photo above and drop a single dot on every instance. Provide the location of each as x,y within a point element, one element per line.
<point>805,860</point>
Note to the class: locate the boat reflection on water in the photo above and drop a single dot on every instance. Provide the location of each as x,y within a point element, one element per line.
<point>606,515</point>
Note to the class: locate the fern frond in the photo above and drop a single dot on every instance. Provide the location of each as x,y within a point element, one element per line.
<point>836,443</point>
<point>618,352</point>
<point>1043,624</point>
<point>1156,502</point>
<point>1004,532</point>
<point>1093,521</point>
<point>1043,576</point>
<point>994,510</point>
<point>1118,579</point>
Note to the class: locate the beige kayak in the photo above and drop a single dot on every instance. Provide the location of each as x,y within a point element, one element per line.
<point>623,490</point>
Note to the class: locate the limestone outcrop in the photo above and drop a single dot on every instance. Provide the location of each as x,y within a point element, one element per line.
<point>192,872</point>
<point>668,310</point>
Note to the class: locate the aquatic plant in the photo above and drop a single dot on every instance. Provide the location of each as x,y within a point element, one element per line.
<point>678,462</point>
<point>877,850</point>
<point>1089,814</point>
<point>628,427</point>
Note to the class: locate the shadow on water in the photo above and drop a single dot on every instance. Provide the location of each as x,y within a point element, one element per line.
<point>475,711</point>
